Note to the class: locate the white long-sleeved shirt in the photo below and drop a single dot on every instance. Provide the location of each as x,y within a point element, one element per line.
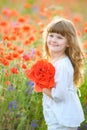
<point>65,107</point>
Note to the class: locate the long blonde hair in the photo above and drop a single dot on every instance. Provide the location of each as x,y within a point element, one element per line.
<point>66,28</point>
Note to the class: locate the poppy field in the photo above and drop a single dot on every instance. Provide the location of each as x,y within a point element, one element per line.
<point>21,27</point>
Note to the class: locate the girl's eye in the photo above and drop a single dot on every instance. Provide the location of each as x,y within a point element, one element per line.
<point>59,37</point>
<point>50,35</point>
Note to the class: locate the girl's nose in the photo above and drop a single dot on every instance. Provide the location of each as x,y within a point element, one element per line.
<point>54,39</point>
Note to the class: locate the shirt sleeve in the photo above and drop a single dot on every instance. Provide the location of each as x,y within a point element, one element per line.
<point>62,81</point>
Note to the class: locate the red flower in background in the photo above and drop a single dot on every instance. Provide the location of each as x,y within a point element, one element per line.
<point>85,29</point>
<point>5,62</point>
<point>42,74</point>
<point>26,57</point>
<point>85,44</point>
<point>27,5</point>
<point>14,70</point>
<point>26,28</point>
<point>24,66</point>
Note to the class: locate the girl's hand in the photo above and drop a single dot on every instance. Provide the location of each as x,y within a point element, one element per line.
<point>48,92</point>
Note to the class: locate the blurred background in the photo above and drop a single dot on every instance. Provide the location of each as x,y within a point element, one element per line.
<point>21,27</point>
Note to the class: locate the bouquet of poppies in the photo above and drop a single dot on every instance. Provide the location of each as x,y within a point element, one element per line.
<point>42,74</point>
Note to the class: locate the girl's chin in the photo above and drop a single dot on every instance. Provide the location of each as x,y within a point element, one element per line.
<point>54,49</point>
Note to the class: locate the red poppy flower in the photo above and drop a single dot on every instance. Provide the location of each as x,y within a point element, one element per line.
<point>85,45</point>
<point>15,54</point>
<point>14,70</point>
<point>5,62</point>
<point>85,29</point>
<point>26,57</point>
<point>26,28</point>
<point>20,50</point>
<point>42,74</point>
<point>24,66</point>
<point>27,5</point>
<point>21,19</point>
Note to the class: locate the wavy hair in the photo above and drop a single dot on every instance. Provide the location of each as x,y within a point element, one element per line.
<point>75,52</point>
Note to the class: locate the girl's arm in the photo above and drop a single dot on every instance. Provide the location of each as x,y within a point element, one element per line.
<point>63,78</point>
<point>48,92</point>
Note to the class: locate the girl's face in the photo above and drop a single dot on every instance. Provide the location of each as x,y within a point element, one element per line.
<point>56,42</point>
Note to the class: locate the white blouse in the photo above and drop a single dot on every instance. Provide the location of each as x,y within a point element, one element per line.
<point>65,107</point>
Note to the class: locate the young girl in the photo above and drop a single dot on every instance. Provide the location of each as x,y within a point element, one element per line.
<point>61,106</point>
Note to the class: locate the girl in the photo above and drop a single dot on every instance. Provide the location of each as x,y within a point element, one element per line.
<point>61,106</point>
